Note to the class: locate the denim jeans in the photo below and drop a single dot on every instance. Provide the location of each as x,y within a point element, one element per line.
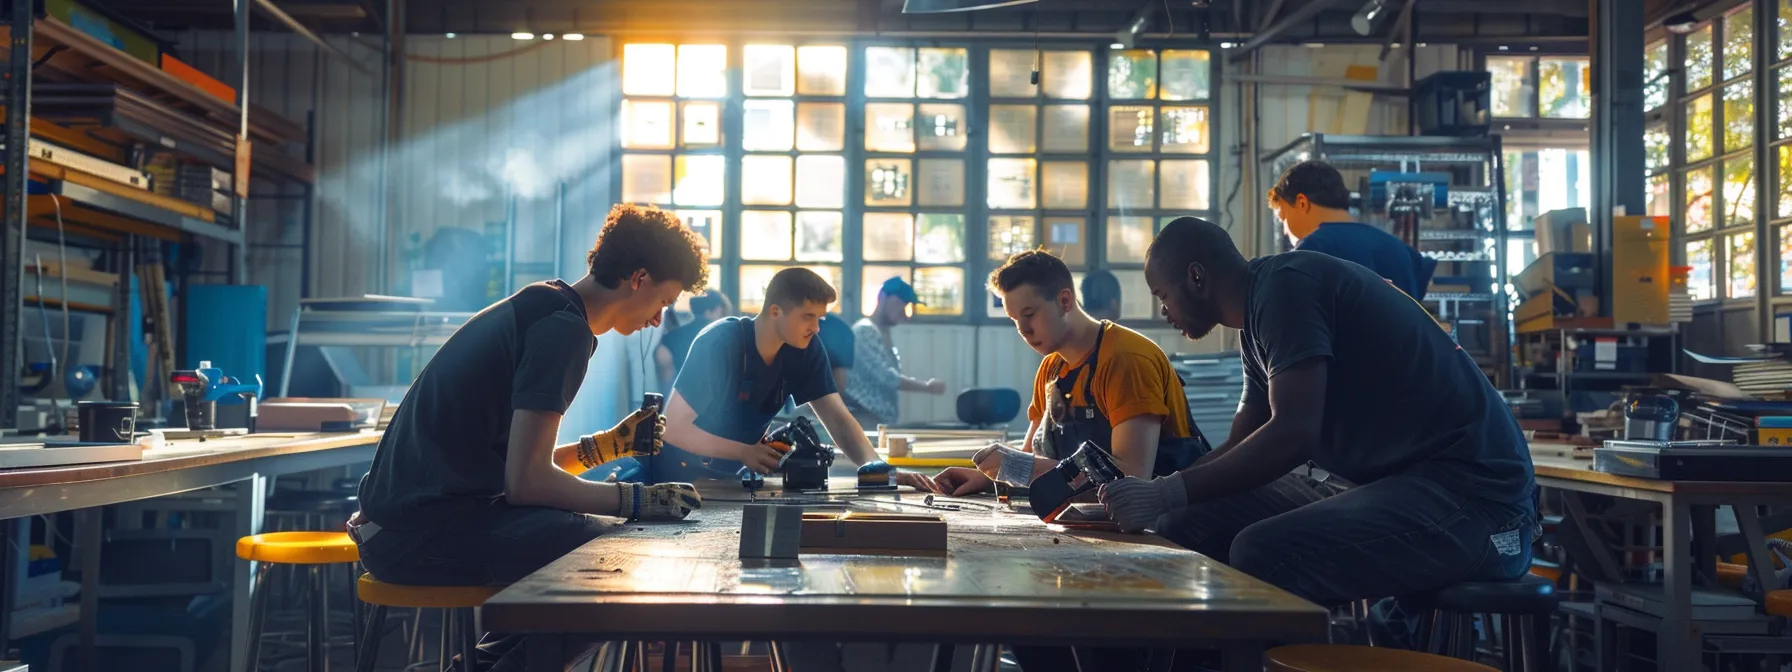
<point>1334,545</point>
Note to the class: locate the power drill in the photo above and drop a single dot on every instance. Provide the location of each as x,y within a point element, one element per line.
<point>1051,492</point>
<point>806,459</point>
<point>653,402</point>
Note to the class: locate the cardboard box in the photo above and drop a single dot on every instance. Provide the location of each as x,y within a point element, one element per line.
<point>1639,289</point>
<point>1572,272</point>
<point>1565,230</point>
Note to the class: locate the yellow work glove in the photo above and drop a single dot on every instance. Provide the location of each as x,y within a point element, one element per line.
<point>662,501</point>
<point>621,441</point>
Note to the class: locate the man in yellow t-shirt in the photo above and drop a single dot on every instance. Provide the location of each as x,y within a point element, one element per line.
<point>1099,382</point>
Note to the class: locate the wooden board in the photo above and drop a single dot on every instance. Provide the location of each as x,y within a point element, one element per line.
<point>187,454</point>
<point>37,455</point>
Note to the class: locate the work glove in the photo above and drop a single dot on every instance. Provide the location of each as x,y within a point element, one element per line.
<point>619,441</point>
<point>1136,504</point>
<point>1008,465</point>
<point>659,502</point>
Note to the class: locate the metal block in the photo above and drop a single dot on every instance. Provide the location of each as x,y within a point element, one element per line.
<point>770,532</point>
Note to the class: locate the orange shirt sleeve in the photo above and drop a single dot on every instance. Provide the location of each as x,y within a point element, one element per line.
<point>1131,386</point>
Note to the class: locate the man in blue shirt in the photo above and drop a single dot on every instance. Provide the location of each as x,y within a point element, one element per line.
<point>1313,205</point>
<point>736,378</point>
<point>837,339</point>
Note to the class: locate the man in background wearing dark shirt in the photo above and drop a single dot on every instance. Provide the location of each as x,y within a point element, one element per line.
<point>1101,295</point>
<point>467,486</point>
<point>837,339</point>
<point>1313,205</point>
<point>669,356</point>
<point>1347,372</point>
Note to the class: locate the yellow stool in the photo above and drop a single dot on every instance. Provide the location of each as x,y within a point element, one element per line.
<point>1779,603</point>
<point>1345,658</point>
<point>456,602</point>
<point>314,550</point>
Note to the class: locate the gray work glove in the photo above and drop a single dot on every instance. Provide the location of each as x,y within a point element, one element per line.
<point>1135,504</point>
<point>659,502</point>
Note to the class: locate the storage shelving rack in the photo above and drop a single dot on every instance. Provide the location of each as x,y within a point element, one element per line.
<point>1477,191</point>
<point>99,214</point>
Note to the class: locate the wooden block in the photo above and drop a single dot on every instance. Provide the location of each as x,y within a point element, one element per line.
<point>301,416</point>
<point>896,445</point>
<point>874,533</point>
<point>37,455</point>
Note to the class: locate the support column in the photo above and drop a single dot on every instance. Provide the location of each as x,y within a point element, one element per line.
<point>239,253</point>
<point>12,232</point>
<point>1617,149</point>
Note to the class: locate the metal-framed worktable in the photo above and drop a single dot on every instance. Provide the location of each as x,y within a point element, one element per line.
<point>1007,578</point>
<point>1684,506</point>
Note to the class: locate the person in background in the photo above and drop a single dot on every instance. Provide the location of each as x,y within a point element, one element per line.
<point>669,356</point>
<point>1101,295</point>
<point>737,378</point>
<point>841,345</point>
<point>1313,205</point>
<point>873,391</point>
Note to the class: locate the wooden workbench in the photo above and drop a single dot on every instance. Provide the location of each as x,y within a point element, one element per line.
<point>1007,578</point>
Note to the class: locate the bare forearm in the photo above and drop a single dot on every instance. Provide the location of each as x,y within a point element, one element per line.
<point>911,384</point>
<point>1266,455</point>
<point>562,490</point>
<point>845,429</point>
<point>690,437</point>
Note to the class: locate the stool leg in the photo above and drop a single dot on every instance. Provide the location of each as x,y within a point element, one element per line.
<point>354,573</point>
<point>317,632</point>
<point>258,607</point>
<point>367,654</point>
<point>442,638</point>
<point>1533,651</point>
<point>1511,646</point>
<point>469,639</point>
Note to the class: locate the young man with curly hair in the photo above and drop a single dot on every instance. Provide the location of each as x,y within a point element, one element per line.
<point>467,487</point>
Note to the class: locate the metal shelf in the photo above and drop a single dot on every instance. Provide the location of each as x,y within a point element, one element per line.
<point>1458,296</point>
<point>141,211</point>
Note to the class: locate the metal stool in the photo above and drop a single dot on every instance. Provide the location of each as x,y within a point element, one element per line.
<point>1449,627</point>
<point>315,551</point>
<point>1348,658</point>
<point>456,602</point>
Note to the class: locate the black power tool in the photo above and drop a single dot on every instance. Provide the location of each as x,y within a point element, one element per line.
<point>806,459</point>
<point>654,402</point>
<point>1052,492</point>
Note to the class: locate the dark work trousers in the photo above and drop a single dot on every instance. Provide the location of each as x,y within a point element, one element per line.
<point>1333,545</point>
<point>495,545</point>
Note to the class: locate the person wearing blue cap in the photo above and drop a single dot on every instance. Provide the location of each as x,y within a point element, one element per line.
<point>872,391</point>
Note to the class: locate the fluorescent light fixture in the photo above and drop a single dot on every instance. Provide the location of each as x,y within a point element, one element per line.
<point>572,37</point>
<point>522,36</point>
<point>1227,45</point>
<point>547,36</point>
<point>1116,45</point>
<point>449,36</point>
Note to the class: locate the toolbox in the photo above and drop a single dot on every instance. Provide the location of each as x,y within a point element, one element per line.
<point>1694,460</point>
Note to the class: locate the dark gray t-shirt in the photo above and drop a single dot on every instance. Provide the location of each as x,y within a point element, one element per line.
<point>444,451</point>
<point>1400,396</point>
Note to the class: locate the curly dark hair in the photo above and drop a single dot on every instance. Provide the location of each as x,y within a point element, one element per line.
<point>643,237</point>
<point>1038,268</point>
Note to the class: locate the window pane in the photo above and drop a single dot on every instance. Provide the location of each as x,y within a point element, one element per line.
<point>887,182</point>
<point>699,180</point>
<point>1785,190</point>
<point>1739,115</point>
<point>1655,148</point>
<point>753,280</point>
<point>1136,302</point>
<point>770,70</point>
<point>1783,110</point>
<point>1186,74</point>
<point>1068,74</point>
<point>1698,59</point>
<point>646,124</point>
<point>1011,184</point>
<point>1009,235</point>
<point>940,239</point>
<point>941,290</point>
<point>707,224</point>
<point>1129,128</point>
<point>942,183</point>
<point>647,69</point>
<point>942,127</point>
<point>1131,184</point>
<point>1128,238</point>
<point>889,236</point>
<point>1184,129</point>
<point>702,124</point>
<point>1700,283</point>
<point>1655,75</point>
<point>1565,87</point>
<point>765,180</point>
<point>889,72</point>
<point>942,73</point>
<point>821,70</point>
<point>702,70</point>
<point>646,178</point>
<point>872,279</point>
<point>1785,29</point>
<point>768,125</point>
<point>818,236</point>
<point>1786,260</point>
<point>1698,128</point>
<point>890,127</point>
<point>1184,185</point>
<point>1132,73</point>
<point>1742,265</point>
<point>1011,73</point>
<point>820,181</point>
<point>1699,184</point>
<point>820,127</point>
<point>1012,129</point>
<point>1739,192</point>
<point>1659,205</point>
<point>764,235</point>
<point>1066,129</point>
<point>1738,40</point>
<point>1064,237</point>
<point>1066,185</point>
<point>1514,93</point>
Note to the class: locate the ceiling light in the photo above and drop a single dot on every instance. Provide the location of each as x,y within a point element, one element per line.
<point>1681,24</point>
<point>1364,20</point>
<point>572,37</point>
<point>1227,45</point>
<point>449,36</point>
<point>547,36</point>
<point>1116,45</point>
<point>522,36</point>
<point>1504,47</point>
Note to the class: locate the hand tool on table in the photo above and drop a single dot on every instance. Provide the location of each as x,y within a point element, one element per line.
<point>806,459</point>
<point>1052,492</point>
<point>201,389</point>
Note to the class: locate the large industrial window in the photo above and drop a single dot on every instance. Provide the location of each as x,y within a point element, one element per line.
<point>1781,149</point>
<point>1550,87</point>
<point>930,162</point>
<point>1717,160</point>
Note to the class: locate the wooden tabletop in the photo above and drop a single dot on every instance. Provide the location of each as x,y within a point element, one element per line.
<point>1581,471</point>
<point>1006,578</point>
<point>183,454</point>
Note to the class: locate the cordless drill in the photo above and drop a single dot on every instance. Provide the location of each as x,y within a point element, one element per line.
<point>652,402</point>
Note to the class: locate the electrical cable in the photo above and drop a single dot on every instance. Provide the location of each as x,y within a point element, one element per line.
<point>58,366</point>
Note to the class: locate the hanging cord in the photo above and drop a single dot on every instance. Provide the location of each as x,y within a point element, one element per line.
<point>58,365</point>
